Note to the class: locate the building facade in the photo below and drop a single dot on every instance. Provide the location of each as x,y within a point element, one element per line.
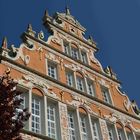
<point>69,94</point>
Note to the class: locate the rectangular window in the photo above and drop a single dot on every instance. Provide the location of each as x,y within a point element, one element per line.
<point>121,134</point>
<point>106,95</point>
<point>74,53</point>
<point>66,47</point>
<point>71,126</point>
<point>80,83</point>
<point>137,137</point>
<point>130,136</point>
<point>51,120</point>
<point>36,123</point>
<point>52,70</point>
<point>95,128</point>
<point>22,104</point>
<point>90,88</point>
<point>84,57</point>
<point>69,78</point>
<point>111,132</point>
<point>83,127</point>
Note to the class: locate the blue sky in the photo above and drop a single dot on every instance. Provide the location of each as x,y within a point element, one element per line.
<point>114,25</point>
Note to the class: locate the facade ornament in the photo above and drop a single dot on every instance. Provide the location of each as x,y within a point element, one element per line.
<point>56,40</point>
<point>135,108</point>
<point>127,104</point>
<point>30,30</point>
<point>116,117</point>
<point>110,72</point>
<point>41,35</point>
<point>103,83</point>
<point>104,129</point>
<point>63,121</point>
<point>4,43</point>
<point>90,40</point>
<point>40,50</point>
<point>78,102</point>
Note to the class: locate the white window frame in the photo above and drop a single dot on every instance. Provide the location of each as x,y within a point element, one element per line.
<point>106,95</point>
<point>70,78</point>
<point>66,46</point>
<point>71,126</point>
<point>52,70</point>
<point>111,131</point>
<point>74,53</point>
<point>80,83</point>
<point>90,87</point>
<point>83,126</point>
<point>121,134</point>
<point>130,136</point>
<point>95,129</point>
<point>36,116</point>
<point>51,122</point>
<point>84,57</point>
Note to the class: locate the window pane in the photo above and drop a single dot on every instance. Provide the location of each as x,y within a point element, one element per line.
<point>66,48</point>
<point>69,78</point>
<point>36,125</point>
<point>80,84</point>
<point>51,121</point>
<point>121,134</point>
<point>106,95</point>
<point>83,127</point>
<point>95,129</point>
<point>71,126</point>
<point>90,88</point>
<point>84,57</point>
<point>52,70</point>
<point>74,53</point>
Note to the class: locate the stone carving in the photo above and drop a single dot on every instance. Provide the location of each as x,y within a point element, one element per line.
<point>127,104</point>
<point>56,40</point>
<point>63,120</point>
<point>40,50</point>
<point>104,129</point>
<point>114,117</point>
<point>135,108</point>
<point>78,101</point>
<point>110,72</point>
<point>41,35</point>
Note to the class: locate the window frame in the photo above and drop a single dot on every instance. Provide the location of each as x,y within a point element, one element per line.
<point>51,65</point>
<point>106,95</point>
<point>36,116</point>
<point>54,122</point>
<point>80,83</point>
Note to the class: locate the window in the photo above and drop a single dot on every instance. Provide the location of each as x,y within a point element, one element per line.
<point>106,95</point>
<point>69,78</point>
<point>111,132</point>
<point>95,128</point>
<point>22,104</point>
<point>130,136</point>
<point>74,53</point>
<point>121,134</point>
<point>66,48</point>
<point>137,137</point>
<point>90,88</point>
<point>83,57</point>
<point>51,120</point>
<point>71,126</point>
<point>52,70</point>
<point>83,127</point>
<point>36,124</point>
<point>80,84</point>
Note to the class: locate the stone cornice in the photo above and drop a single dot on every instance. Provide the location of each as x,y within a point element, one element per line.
<point>35,135</point>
